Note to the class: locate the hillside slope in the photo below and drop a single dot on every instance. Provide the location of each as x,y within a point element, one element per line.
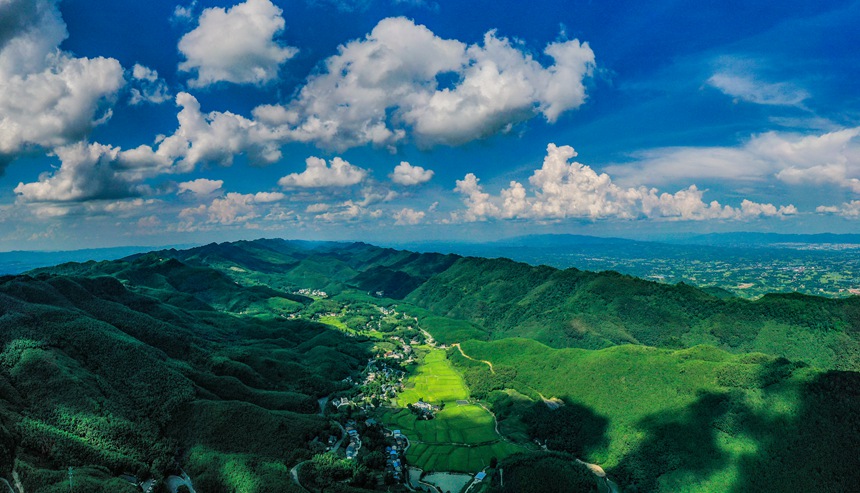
<point>94,374</point>
<point>572,308</point>
<point>503,298</point>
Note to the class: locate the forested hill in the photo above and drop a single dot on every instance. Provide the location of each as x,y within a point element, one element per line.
<point>572,308</point>
<point>561,308</point>
<point>138,380</point>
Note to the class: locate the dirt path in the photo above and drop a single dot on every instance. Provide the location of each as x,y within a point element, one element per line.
<point>553,403</point>
<point>492,370</point>
<point>600,474</point>
<point>294,473</point>
<point>428,338</point>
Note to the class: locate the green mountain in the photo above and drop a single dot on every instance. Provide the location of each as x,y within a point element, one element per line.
<point>113,380</point>
<point>572,308</point>
<point>212,359</point>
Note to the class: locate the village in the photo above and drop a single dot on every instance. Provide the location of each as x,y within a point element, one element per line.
<point>364,441</point>
<point>382,379</point>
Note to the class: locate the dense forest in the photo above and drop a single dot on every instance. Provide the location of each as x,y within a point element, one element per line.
<point>94,374</point>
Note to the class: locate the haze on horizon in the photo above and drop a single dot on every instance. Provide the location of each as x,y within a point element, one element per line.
<point>402,120</point>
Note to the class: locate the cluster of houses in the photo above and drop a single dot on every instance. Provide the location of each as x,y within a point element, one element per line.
<point>424,410</point>
<point>315,293</point>
<point>354,440</point>
<point>404,353</point>
<point>394,463</point>
<point>381,379</point>
<point>380,382</point>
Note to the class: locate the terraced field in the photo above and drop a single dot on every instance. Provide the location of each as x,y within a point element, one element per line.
<point>462,437</point>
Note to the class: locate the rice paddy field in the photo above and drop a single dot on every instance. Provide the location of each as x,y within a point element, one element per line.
<point>462,437</point>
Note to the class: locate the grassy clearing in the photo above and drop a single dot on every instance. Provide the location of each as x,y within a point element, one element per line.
<point>434,381</point>
<point>334,322</point>
<point>462,438</point>
<point>448,330</point>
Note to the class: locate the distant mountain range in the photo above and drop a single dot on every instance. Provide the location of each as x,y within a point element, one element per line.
<point>768,239</point>
<point>737,239</point>
<point>18,261</point>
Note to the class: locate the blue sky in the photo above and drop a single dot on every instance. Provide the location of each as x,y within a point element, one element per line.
<point>399,120</point>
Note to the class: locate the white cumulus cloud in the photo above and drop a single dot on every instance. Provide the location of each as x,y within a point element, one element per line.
<point>48,97</point>
<point>409,175</point>
<point>232,208</point>
<point>87,172</point>
<point>318,174</point>
<point>235,45</point>
<point>147,86</point>
<point>408,216</point>
<point>217,137</point>
<point>850,210</point>
<point>378,88</point>
<point>348,211</point>
<point>562,189</point>
<point>201,186</point>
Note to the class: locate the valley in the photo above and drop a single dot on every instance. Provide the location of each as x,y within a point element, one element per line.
<point>360,368</point>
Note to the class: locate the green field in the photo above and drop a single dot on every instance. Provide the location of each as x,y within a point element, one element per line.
<point>434,381</point>
<point>461,438</point>
<point>338,324</point>
<point>334,322</point>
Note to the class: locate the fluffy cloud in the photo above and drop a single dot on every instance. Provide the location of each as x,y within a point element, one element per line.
<point>320,175</point>
<point>408,175</point>
<point>201,186</point>
<point>217,137</point>
<point>850,210</point>
<point>374,194</point>
<point>832,157</point>
<point>182,13</point>
<point>232,208</point>
<point>148,88</point>
<point>235,45</point>
<point>87,172</point>
<point>99,172</point>
<point>377,88</point>
<point>317,208</point>
<point>347,211</point>
<point>48,98</point>
<point>562,189</point>
<point>407,216</point>
<point>500,85</point>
